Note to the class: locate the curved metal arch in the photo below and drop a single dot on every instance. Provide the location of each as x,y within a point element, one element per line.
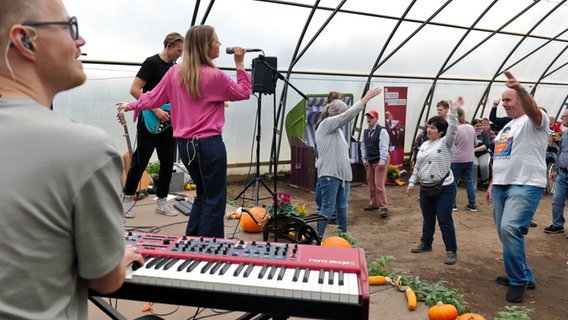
<point>205,15</point>
<point>446,66</point>
<point>379,62</point>
<point>485,96</point>
<point>545,74</point>
<point>359,122</point>
<point>279,116</point>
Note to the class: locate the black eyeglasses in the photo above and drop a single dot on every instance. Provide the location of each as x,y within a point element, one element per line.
<point>72,23</point>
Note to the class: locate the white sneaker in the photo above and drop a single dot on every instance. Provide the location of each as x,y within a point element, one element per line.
<point>127,207</point>
<point>162,207</point>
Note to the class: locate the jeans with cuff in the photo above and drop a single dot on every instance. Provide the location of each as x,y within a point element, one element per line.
<point>334,196</point>
<point>513,209</point>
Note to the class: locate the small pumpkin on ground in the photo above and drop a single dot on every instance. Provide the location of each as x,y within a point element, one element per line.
<point>442,311</point>
<point>470,316</point>
<point>336,241</point>
<point>248,224</point>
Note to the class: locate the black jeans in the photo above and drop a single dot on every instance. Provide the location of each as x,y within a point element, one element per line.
<point>146,142</point>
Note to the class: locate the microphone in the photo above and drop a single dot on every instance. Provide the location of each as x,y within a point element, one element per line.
<point>231,51</point>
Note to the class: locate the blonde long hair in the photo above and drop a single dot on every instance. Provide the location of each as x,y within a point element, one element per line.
<point>198,42</point>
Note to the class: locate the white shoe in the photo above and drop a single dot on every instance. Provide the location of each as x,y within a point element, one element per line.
<point>127,207</point>
<point>162,207</point>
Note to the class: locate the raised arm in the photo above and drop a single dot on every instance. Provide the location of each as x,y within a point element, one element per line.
<point>529,105</point>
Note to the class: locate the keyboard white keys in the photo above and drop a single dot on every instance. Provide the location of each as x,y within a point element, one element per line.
<point>326,286</point>
<point>334,292</point>
<point>284,286</point>
<point>353,288</point>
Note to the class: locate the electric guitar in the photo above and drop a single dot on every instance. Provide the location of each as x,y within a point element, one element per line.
<point>127,158</point>
<point>153,124</point>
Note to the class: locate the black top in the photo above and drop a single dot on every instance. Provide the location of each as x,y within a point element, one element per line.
<point>152,71</point>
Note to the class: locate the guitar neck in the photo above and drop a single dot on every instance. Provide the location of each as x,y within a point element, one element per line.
<point>126,135</point>
<point>128,143</point>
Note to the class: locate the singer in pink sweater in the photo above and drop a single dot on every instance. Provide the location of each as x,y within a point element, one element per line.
<point>197,91</point>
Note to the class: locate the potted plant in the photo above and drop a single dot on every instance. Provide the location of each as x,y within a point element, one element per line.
<point>153,170</point>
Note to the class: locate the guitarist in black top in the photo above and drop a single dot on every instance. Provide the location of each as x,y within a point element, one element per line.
<point>150,137</point>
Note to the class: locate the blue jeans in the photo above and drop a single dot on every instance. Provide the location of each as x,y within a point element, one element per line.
<point>318,201</point>
<point>559,198</point>
<point>334,199</point>
<point>439,207</point>
<point>513,209</point>
<point>463,172</point>
<point>206,162</point>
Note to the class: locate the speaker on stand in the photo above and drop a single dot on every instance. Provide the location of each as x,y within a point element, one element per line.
<point>263,82</point>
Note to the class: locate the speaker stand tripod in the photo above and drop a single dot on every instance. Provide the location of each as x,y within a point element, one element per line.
<point>257,179</point>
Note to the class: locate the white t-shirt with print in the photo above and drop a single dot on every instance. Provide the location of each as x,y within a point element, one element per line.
<point>520,149</point>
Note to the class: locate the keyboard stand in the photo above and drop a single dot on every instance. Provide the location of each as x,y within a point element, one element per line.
<point>105,307</point>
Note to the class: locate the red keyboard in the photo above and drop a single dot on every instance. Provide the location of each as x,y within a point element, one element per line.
<point>279,279</point>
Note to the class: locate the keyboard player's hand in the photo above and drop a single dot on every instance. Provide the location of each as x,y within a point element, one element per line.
<point>133,257</point>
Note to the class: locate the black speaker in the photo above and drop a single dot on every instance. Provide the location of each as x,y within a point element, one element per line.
<point>263,80</point>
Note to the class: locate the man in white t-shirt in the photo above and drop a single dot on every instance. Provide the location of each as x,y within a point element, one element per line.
<point>519,179</point>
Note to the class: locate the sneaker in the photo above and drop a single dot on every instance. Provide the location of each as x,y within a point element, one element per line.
<point>554,229</point>
<point>471,207</point>
<point>516,294</point>
<point>421,248</point>
<point>504,280</point>
<point>451,257</point>
<point>384,212</point>
<point>127,207</point>
<point>533,225</point>
<point>162,207</point>
<point>370,208</point>
<point>455,208</point>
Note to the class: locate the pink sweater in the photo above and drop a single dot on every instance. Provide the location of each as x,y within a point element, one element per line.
<point>191,117</point>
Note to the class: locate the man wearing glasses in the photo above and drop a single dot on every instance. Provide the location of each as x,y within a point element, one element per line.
<point>61,215</point>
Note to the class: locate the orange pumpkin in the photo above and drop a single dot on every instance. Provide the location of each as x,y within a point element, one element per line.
<point>442,311</point>
<point>470,316</point>
<point>336,241</point>
<point>248,224</point>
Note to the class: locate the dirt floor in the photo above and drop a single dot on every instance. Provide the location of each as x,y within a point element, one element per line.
<point>479,250</point>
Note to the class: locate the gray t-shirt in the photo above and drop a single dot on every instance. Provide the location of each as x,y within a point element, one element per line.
<point>60,211</point>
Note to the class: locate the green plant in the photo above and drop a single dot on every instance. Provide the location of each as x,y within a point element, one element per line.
<point>514,313</point>
<point>153,169</point>
<point>284,206</point>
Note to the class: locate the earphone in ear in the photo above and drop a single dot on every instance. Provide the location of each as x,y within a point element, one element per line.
<point>27,43</point>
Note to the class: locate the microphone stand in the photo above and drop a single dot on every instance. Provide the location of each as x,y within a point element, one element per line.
<point>275,76</point>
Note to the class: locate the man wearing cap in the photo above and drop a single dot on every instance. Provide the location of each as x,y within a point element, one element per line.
<point>375,154</point>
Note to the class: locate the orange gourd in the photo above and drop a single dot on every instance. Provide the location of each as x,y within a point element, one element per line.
<point>470,316</point>
<point>248,224</point>
<point>442,311</point>
<point>336,241</point>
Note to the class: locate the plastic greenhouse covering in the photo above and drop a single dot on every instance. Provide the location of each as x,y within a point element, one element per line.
<point>437,49</point>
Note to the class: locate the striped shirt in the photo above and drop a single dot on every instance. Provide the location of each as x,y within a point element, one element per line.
<point>434,157</point>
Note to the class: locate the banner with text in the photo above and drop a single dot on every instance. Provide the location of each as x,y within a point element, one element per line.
<point>395,122</point>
